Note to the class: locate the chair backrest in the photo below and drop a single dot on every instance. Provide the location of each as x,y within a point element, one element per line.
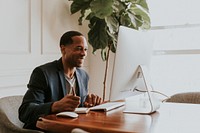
<point>78,130</point>
<point>186,97</point>
<point>9,105</point>
<point>9,121</point>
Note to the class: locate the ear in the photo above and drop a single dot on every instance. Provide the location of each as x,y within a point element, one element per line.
<point>62,49</point>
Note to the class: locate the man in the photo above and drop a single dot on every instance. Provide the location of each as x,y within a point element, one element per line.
<point>59,85</point>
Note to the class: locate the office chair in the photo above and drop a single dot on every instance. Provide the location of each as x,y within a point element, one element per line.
<point>9,122</point>
<point>78,130</point>
<point>186,97</point>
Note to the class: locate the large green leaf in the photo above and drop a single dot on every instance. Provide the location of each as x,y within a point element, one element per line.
<point>113,42</point>
<point>127,20</point>
<point>141,16</point>
<point>84,15</point>
<point>143,5</point>
<point>118,6</point>
<point>78,5</point>
<point>97,36</point>
<point>103,54</point>
<point>101,8</point>
<point>112,24</point>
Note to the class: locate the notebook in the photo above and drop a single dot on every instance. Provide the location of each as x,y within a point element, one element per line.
<point>82,110</point>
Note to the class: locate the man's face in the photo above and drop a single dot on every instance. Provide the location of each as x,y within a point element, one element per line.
<point>74,54</point>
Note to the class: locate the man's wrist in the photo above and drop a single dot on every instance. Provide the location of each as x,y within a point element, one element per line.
<point>54,107</point>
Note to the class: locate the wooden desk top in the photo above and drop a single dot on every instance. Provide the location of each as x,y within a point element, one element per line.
<point>170,118</point>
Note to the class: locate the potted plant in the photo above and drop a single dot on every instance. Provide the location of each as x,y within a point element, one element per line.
<point>105,17</point>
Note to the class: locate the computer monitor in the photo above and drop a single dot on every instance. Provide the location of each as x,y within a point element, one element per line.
<point>134,48</point>
<point>132,60</point>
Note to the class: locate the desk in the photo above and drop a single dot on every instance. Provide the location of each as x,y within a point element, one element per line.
<point>170,118</point>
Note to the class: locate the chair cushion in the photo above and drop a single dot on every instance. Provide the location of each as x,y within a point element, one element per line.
<point>9,105</point>
<point>186,97</point>
<point>9,122</point>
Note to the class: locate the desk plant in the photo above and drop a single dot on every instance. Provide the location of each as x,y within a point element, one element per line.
<point>105,17</point>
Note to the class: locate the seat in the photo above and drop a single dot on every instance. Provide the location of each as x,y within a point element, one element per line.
<point>9,122</point>
<point>78,130</point>
<point>185,97</point>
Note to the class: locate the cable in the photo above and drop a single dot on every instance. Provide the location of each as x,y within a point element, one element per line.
<point>152,91</point>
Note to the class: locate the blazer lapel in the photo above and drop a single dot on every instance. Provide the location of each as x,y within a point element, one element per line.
<point>81,87</point>
<point>63,82</point>
<point>62,76</point>
<point>79,81</point>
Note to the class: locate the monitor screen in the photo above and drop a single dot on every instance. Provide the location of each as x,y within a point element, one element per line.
<point>134,48</point>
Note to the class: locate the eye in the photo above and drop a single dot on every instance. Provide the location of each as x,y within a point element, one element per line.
<point>78,48</point>
<point>86,49</point>
<point>81,49</point>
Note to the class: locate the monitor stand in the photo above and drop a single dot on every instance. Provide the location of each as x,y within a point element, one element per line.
<point>144,102</point>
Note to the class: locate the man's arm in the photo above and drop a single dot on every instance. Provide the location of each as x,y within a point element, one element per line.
<point>33,105</point>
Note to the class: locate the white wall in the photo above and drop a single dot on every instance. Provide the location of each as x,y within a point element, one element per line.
<point>175,64</point>
<point>30,35</point>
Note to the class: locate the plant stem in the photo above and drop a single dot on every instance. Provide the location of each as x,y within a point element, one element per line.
<point>106,73</point>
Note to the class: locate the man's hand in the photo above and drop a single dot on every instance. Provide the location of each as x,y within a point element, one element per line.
<point>67,103</point>
<point>92,100</point>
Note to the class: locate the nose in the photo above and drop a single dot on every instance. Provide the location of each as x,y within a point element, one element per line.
<point>84,52</point>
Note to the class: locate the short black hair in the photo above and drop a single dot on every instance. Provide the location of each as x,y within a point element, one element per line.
<point>66,38</point>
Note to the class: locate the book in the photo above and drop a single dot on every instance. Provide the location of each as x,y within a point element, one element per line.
<point>82,110</point>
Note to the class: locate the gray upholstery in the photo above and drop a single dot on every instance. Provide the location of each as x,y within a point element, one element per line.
<point>186,97</point>
<point>78,130</point>
<point>9,122</point>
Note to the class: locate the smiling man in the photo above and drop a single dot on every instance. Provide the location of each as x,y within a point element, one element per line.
<point>60,85</point>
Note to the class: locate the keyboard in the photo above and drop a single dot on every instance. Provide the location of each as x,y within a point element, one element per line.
<point>108,106</point>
